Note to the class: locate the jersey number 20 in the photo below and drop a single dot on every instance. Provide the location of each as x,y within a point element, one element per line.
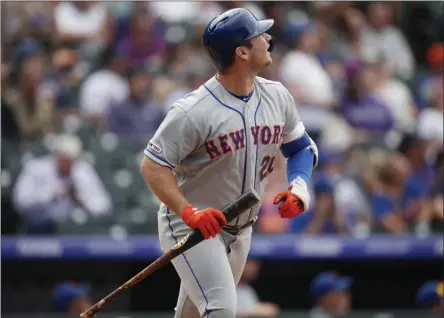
<point>267,166</point>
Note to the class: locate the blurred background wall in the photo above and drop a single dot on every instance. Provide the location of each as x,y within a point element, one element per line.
<point>85,85</point>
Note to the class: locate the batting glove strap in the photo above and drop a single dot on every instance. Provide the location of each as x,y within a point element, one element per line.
<point>187,212</point>
<point>299,189</point>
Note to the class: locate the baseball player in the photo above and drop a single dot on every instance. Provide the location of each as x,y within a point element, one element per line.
<point>430,296</point>
<point>331,293</point>
<point>216,143</point>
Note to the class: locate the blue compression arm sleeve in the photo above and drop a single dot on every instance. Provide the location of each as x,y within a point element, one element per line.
<point>300,165</point>
<point>300,158</point>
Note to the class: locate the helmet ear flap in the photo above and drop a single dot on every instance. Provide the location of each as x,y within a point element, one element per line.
<point>272,43</point>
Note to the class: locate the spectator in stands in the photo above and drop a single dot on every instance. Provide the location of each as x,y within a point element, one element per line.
<point>194,77</point>
<point>137,117</point>
<point>435,57</point>
<point>431,119</point>
<point>31,103</point>
<point>248,302</point>
<point>386,197</point>
<point>79,23</point>
<point>9,126</point>
<point>207,10</point>
<point>393,92</point>
<point>349,42</point>
<point>102,88</point>
<point>145,42</point>
<point>331,294</point>
<point>339,164</point>
<point>123,13</point>
<point>66,80</point>
<point>26,20</point>
<point>419,182</point>
<point>333,65</point>
<point>303,75</point>
<point>437,193</point>
<point>384,35</point>
<point>279,11</point>
<point>71,298</point>
<point>431,296</point>
<point>425,82</point>
<point>49,188</point>
<point>328,11</point>
<point>199,12</point>
<point>363,110</point>
<point>180,57</point>
<point>119,11</point>
<point>181,12</point>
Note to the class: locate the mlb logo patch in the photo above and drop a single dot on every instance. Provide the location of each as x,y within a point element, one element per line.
<point>154,147</point>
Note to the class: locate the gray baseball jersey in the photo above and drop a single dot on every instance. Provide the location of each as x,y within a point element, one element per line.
<point>220,146</point>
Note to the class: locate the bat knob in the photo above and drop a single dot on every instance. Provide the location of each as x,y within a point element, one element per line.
<point>87,314</point>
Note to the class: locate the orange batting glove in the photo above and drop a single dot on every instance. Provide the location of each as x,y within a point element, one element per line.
<point>209,221</point>
<point>294,201</point>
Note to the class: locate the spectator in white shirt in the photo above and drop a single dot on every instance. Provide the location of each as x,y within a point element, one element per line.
<point>393,92</point>
<point>301,70</point>
<point>383,35</point>
<point>349,41</point>
<point>179,12</point>
<point>79,22</point>
<point>304,76</point>
<point>49,188</point>
<point>250,6</point>
<point>104,87</point>
<point>431,119</point>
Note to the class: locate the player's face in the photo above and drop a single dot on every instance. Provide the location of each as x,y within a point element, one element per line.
<point>64,165</point>
<point>139,85</point>
<point>80,305</point>
<point>260,58</point>
<point>33,68</point>
<point>343,302</point>
<point>337,302</point>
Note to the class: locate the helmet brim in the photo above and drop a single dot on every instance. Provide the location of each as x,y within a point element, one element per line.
<point>262,27</point>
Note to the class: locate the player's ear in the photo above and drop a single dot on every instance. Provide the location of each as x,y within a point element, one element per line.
<point>242,52</point>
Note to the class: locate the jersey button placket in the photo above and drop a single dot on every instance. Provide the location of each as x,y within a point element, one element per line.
<point>249,113</point>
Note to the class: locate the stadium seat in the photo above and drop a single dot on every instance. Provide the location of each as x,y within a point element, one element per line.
<point>84,224</point>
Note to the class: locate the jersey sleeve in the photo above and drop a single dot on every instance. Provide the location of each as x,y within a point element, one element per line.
<point>294,128</point>
<point>176,137</point>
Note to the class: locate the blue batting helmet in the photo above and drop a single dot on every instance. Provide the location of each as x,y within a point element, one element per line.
<point>229,30</point>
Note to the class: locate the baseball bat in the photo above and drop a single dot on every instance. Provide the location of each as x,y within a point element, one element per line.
<point>231,211</point>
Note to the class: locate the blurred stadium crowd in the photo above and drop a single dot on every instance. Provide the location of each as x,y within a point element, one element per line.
<point>85,84</point>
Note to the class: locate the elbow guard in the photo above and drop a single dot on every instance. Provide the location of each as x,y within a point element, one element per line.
<point>315,150</point>
<point>293,147</point>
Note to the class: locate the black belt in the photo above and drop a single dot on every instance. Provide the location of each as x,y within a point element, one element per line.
<point>234,230</point>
